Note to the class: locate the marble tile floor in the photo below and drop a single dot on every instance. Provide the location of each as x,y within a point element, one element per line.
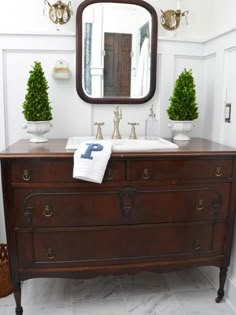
<point>184,292</point>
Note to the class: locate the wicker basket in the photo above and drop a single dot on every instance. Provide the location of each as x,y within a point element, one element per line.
<point>5,283</point>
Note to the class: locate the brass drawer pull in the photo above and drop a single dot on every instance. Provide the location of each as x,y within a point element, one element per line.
<point>196,245</point>
<point>218,171</point>
<point>51,255</point>
<point>146,174</point>
<point>109,174</point>
<point>200,205</point>
<point>47,211</point>
<point>26,175</point>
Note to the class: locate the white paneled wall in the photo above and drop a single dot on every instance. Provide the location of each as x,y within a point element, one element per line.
<point>219,78</point>
<point>72,116</point>
<point>175,56</point>
<point>208,87</point>
<point>230,95</point>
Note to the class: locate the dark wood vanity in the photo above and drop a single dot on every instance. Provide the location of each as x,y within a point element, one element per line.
<point>154,211</point>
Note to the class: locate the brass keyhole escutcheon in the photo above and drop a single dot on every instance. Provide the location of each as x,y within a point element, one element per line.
<point>200,205</point>
<point>26,175</point>
<point>127,200</point>
<point>28,213</point>
<point>218,171</point>
<point>51,254</point>
<point>146,174</point>
<point>196,245</point>
<point>47,211</point>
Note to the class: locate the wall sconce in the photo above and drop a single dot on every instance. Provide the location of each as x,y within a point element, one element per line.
<point>59,12</point>
<point>171,19</point>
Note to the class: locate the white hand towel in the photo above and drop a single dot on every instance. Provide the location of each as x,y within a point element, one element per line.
<point>90,160</point>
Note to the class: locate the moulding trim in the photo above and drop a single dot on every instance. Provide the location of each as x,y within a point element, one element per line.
<point>160,38</point>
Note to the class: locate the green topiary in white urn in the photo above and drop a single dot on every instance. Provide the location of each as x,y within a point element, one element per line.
<point>183,109</point>
<point>36,107</point>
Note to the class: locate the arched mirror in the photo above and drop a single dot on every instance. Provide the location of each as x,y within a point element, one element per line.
<point>116,50</point>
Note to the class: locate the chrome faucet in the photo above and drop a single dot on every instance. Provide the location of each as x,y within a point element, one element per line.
<point>117,118</point>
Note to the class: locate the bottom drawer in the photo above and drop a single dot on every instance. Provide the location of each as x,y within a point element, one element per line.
<point>114,244</point>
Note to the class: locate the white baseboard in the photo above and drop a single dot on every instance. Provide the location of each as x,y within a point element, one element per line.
<point>212,275</point>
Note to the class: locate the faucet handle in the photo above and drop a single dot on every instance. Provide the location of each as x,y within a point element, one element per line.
<point>99,135</point>
<point>133,133</point>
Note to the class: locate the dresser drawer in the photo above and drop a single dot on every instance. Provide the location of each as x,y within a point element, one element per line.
<point>180,169</point>
<point>181,204</point>
<point>122,206</point>
<point>58,171</point>
<point>108,245</point>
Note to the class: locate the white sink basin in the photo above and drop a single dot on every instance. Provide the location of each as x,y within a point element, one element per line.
<point>125,145</point>
<point>141,145</point>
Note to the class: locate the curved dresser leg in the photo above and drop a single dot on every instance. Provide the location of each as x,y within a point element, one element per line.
<point>221,292</point>
<point>17,296</point>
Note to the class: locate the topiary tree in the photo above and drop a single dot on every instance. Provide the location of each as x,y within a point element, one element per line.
<point>183,104</point>
<point>36,106</point>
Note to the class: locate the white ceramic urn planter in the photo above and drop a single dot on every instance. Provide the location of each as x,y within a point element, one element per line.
<point>38,129</point>
<point>181,129</point>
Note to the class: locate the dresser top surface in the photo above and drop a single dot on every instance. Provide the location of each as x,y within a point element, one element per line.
<point>56,148</point>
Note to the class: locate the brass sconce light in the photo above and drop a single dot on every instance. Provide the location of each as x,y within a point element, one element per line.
<point>59,12</point>
<point>171,19</point>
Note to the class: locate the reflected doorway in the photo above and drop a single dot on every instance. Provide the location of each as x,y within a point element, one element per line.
<point>117,64</point>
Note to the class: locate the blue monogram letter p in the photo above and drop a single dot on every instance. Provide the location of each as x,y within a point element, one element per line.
<point>91,147</point>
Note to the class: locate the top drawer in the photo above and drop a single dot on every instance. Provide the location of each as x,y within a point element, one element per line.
<point>153,170</point>
<point>58,171</point>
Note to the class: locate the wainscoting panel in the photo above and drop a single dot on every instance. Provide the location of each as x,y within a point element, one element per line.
<point>208,97</point>
<point>230,94</point>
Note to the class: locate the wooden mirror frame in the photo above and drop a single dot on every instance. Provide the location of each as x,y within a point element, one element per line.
<point>79,56</point>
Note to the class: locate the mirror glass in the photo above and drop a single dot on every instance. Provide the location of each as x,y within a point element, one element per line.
<point>116,51</point>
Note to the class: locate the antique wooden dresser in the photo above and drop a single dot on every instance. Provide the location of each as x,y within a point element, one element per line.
<point>154,211</point>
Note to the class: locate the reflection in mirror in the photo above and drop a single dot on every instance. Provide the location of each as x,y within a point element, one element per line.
<point>124,66</point>
<point>116,51</point>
